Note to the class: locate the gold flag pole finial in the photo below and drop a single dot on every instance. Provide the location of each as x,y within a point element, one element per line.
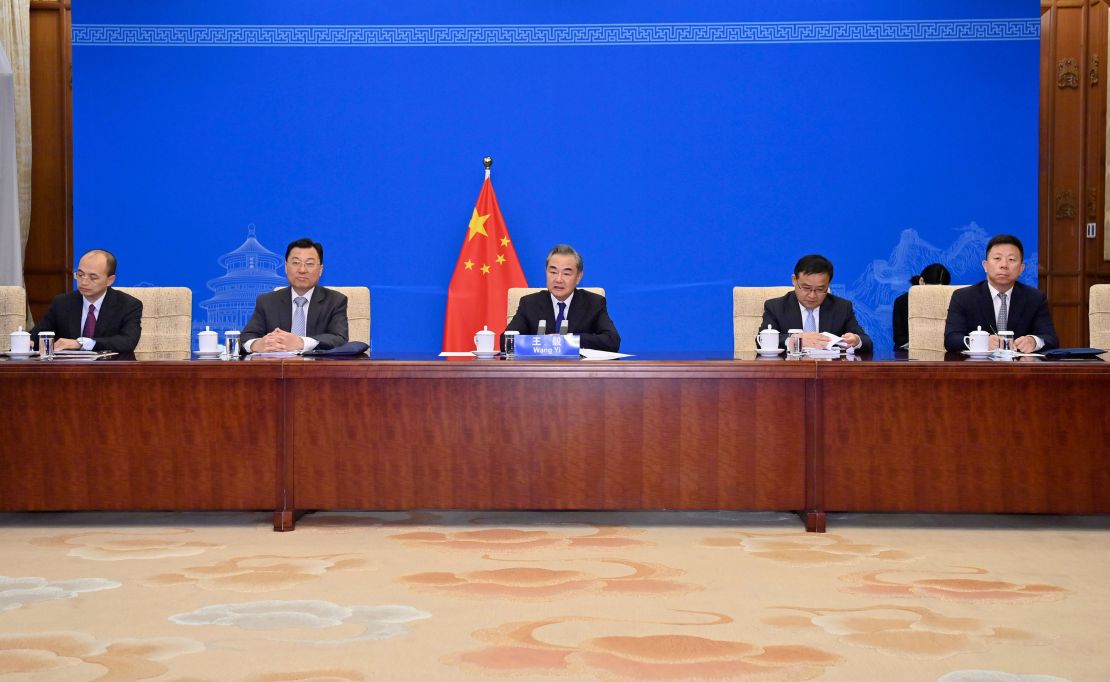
<point>487,161</point>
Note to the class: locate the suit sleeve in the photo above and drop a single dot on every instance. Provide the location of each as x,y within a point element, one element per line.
<point>130,328</point>
<point>605,336</point>
<point>770,317</point>
<point>47,323</point>
<point>256,326</point>
<point>520,322</point>
<point>901,322</point>
<point>1042,325</point>
<point>335,333</point>
<point>956,323</point>
<point>851,325</point>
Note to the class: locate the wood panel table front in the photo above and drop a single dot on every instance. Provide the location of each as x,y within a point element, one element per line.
<point>299,434</point>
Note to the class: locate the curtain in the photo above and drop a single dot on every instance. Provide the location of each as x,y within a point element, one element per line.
<point>15,39</point>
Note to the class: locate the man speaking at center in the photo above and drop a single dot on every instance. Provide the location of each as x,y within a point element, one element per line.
<point>302,316</point>
<point>584,311</point>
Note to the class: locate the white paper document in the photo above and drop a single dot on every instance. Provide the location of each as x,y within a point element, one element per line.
<point>591,354</point>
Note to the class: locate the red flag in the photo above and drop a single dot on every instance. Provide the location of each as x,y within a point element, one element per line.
<point>487,268</point>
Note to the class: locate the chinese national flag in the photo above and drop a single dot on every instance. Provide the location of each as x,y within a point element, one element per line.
<point>486,269</point>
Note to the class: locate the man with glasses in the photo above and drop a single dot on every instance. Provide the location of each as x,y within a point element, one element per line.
<point>302,316</point>
<point>96,316</point>
<point>811,308</point>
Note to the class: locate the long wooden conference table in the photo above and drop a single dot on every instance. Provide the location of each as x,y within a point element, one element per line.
<point>388,433</point>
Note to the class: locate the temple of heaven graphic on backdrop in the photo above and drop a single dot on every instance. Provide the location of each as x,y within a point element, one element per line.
<point>251,270</point>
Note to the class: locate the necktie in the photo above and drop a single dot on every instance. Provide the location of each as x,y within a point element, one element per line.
<point>90,323</point>
<point>1003,314</point>
<point>298,316</point>
<point>559,317</point>
<point>810,325</point>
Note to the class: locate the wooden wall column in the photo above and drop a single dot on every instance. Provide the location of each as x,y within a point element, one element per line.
<point>48,260</point>
<point>1072,160</point>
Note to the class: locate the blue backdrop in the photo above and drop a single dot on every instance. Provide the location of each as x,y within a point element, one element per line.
<point>683,148</point>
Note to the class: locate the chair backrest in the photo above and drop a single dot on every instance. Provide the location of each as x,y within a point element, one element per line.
<point>167,318</point>
<point>13,312</point>
<point>517,293</point>
<point>358,312</point>
<point>1098,315</point>
<point>747,313</point>
<point>928,310</point>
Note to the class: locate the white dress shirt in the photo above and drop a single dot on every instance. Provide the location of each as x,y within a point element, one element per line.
<point>1009,306</point>
<point>87,343</point>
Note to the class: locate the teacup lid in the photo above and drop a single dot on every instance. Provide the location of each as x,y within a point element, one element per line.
<point>207,331</point>
<point>770,328</point>
<point>485,330</point>
<point>20,332</point>
<point>979,332</point>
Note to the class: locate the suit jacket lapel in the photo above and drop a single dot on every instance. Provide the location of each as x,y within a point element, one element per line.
<point>315,310</point>
<point>828,315</point>
<point>576,312</point>
<point>285,309</point>
<point>986,308</point>
<point>108,313</point>
<point>793,313</point>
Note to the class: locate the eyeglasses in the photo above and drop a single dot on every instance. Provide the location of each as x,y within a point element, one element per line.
<point>819,291</point>
<point>297,263</point>
<point>81,275</point>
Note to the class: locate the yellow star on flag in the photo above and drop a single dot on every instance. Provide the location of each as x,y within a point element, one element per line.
<point>500,259</point>
<point>485,269</point>
<point>504,241</point>
<point>469,264</point>
<point>477,225</point>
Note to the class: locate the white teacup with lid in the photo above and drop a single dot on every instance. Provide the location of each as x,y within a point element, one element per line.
<point>768,338</point>
<point>977,341</point>
<point>208,341</point>
<point>483,340</point>
<point>21,341</point>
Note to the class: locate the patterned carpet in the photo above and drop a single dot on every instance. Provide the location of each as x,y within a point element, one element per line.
<point>553,596</point>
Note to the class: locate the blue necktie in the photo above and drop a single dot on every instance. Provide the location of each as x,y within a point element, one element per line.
<point>298,317</point>
<point>559,317</point>
<point>810,325</point>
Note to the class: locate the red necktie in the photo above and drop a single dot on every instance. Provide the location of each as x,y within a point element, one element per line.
<point>90,323</point>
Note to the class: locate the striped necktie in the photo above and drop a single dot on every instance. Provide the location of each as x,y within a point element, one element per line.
<point>298,316</point>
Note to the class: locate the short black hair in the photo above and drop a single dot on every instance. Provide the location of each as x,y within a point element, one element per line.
<point>1005,239</point>
<point>813,264</point>
<point>108,256</point>
<point>305,243</point>
<point>934,273</point>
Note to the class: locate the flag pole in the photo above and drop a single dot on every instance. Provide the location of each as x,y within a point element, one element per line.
<point>487,162</point>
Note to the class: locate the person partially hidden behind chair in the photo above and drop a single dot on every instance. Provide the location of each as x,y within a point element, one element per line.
<point>934,273</point>
<point>1001,303</point>
<point>811,308</point>
<point>584,311</point>
<point>301,316</point>
<point>96,316</point>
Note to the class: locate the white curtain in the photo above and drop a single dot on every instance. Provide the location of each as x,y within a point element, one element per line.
<point>15,137</point>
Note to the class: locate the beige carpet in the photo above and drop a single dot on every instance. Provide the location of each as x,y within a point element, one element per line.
<point>553,596</point>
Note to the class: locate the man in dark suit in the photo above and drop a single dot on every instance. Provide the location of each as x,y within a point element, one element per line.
<point>1001,303</point>
<point>584,311</point>
<point>95,317</point>
<point>301,316</point>
<point>812,308</point>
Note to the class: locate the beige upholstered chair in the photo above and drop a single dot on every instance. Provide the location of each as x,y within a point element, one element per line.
<point>747,313</point>
<point>13,312</point>
<point>167,319</point>
<point>1098,314</point>
<point>358,312</point>
<point>517,293</point>
<point>928,310</point>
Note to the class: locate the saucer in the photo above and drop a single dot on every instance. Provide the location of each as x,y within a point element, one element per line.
<point>978,353</point>
<point>208,354</point>
<point>14,354</point>
<point>769,351</point>
<point>486,355</point>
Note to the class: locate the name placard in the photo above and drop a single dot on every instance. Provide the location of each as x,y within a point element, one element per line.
<point>547,346</point>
